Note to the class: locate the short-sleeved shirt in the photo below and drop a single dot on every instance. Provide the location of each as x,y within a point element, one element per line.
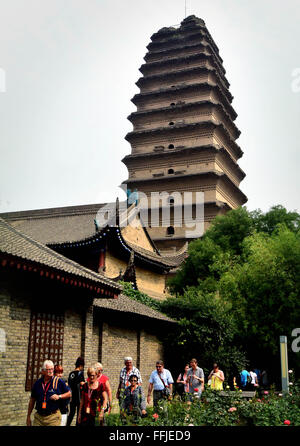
<point>63,403</point>
<point>253,377</point>
<point>124,376</point>
<point>74,380</point>
<point>157,382</point>
<point>102,380</point>
<point>134,399</point>
<point>37,393</point>
<point>244,374</point>
<point>195,383</point>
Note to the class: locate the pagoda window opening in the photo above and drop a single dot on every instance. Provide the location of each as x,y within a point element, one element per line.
<point>171,201</point>
<point>171,123</point>
<point>170,171</point>
<point>172,104</point>
<point>171,146</point>
<point>170,230</point>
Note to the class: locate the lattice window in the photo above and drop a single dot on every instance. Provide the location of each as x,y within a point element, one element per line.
<point>45,342</point>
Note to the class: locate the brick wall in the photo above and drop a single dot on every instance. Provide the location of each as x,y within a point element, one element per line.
<point>15,320</point>
<point>118,341</point>
<point>72,340</point>
<point>18,292</point>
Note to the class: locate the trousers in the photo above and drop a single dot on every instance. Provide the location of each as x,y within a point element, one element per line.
<point>54,419</point>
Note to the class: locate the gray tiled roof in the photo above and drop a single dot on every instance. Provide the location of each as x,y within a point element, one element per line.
<point>126,304</point>
<point>171,260</point>
<point>56,225</point>
<point>17,244</point>
<point>72,224</point>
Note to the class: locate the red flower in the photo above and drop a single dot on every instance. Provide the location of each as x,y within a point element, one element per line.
<point>287,422</point>
<point>196,390</point>
<point>155,416</point>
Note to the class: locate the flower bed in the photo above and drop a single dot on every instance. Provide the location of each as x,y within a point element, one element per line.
<point>267,408</point>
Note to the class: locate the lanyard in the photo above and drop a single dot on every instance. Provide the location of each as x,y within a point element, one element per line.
<point>90,392</point>
<point>46,388</point>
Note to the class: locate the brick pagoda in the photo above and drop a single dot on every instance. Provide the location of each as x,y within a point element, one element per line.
<point>184,135</point>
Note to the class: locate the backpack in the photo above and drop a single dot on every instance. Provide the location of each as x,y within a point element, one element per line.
<point>55,382</point>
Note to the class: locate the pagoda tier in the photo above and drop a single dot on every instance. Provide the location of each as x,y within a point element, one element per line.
<point>190,112</point>
<point>193,134</point>
<point>185,71</point>
<point>174,38</point>
<point>202,158</point>
<point>183,93</point>
<point>193,60</point>
<point>216,185</point>
<point>184,135</point>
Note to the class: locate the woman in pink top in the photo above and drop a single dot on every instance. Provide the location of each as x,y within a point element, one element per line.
<point>104,381</point>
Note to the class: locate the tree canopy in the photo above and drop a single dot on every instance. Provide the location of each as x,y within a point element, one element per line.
<point>236,293</point>
<point>250,262</point>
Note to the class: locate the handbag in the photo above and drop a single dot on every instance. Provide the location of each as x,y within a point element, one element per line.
<point>166,391</point>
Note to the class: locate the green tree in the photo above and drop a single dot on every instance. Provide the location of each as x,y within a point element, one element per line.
<point>264,291</point>
<point>220,245</point>
<point>276,215</point>
<point>206,330</point>
<point>250,260</point>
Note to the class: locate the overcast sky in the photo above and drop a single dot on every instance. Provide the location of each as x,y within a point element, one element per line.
<point>67,74</point>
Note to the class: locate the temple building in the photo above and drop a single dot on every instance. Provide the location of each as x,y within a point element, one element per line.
<point>184,135</point>
<point>55,308</point>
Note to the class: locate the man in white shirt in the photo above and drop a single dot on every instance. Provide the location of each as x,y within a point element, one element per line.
<point>253,379</point>
<point>161,382</point>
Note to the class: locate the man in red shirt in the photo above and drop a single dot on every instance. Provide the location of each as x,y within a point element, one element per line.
<point>104,381</point>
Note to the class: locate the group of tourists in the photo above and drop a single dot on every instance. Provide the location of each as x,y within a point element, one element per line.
<point>250,380</point>
<point>57,402</point>
<point>89,399</point>
<point>190,383</point>
<point>188,387</point>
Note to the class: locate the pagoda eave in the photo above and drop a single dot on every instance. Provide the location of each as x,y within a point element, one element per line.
<point>181,88</point>
<point>169,178</point>
<point>173,109</point>
<point>202,45</point>
<point>186,151</point>
<point>149,65</point>
<point>177,38</point>
<point>171,131</point>
<point>174,74</point>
